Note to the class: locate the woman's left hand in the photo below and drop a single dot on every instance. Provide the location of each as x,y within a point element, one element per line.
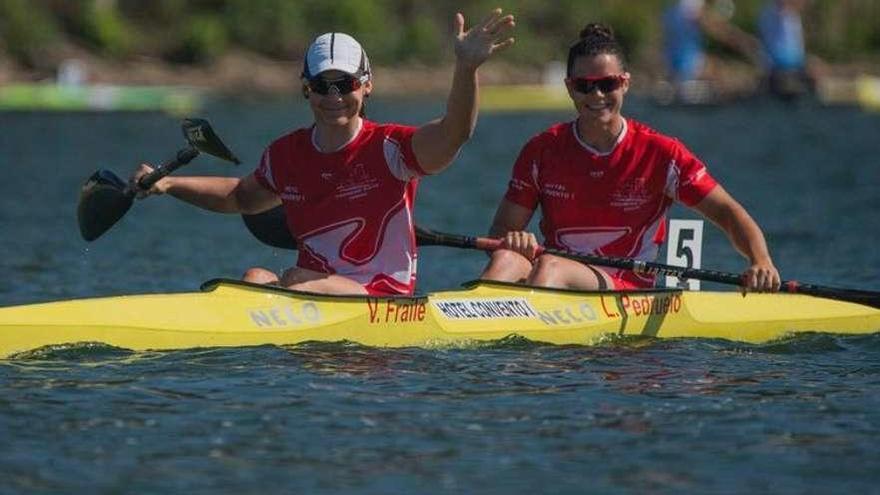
<point>476,45</point>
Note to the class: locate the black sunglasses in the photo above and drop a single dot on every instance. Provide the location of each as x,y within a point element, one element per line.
<point>343,86</point>
<point>605,84</point>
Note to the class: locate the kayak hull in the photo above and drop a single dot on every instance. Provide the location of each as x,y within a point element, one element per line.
<point>232,313</point>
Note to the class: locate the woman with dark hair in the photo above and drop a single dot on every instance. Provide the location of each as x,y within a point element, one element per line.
<point>604,184</point>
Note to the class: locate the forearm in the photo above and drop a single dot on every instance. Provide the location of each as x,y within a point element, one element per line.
<point>497,230</point>
<point>461,107</point>
<point>510,217</point>
<point>437,143</point>
<point>211,193</point>
<point>744,233</point>
<point>501,225</point>
<point>746,236</point>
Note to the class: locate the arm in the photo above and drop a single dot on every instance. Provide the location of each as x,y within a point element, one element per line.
<point>509,217</point>
<point>436,143</point>
<point>219,194</point>
<point>745,235</point>
<point>728,33</point>
<point>509,223</point>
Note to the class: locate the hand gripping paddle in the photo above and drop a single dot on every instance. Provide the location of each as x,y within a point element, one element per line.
<point>105,198</point>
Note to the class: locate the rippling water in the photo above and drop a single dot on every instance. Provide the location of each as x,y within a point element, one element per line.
<point>631,416</point>
<point>640,416</point>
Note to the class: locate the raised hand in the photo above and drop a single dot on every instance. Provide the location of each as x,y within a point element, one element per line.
<point>476,45</point>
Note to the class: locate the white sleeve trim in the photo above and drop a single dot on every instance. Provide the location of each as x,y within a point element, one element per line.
<point>395,161</point>
<point>267,165</point>
<point>673,180</point>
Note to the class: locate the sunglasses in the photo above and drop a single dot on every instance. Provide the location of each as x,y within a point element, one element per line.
<point>342,86</point>
<point>604,84</point>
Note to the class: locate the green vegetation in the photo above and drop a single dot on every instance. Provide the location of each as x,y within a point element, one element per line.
<point>26,33</point>
<point>395,31</point>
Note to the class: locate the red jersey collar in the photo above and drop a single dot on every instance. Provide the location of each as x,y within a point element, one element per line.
<point>593,150</point>
<point>354,137</point>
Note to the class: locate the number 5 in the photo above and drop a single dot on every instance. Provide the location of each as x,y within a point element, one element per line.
<point>684,248</point>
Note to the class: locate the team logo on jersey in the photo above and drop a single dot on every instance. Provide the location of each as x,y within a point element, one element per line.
<point>556,191</point>
<point>352,249</point>
<point>631,195</point>
<point>519,184</point>
<point>597,174</point>
<point>291,193</point>
<point>356,183</point>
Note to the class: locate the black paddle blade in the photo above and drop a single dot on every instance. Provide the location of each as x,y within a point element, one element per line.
<point>270,227</point>
<point>202,137</point>
<point>103,200</point>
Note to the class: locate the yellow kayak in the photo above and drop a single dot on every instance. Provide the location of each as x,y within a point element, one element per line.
<point>233,313</point>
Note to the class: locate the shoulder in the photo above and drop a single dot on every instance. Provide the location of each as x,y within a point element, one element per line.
<point>555,135</point>
<point>389,130</point>
<point>556,132</point>
<point>648,137</point>
<point>291,139</point>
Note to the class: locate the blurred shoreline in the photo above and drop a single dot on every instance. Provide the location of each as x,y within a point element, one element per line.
<point>241,47</point>
<point>242,73</point>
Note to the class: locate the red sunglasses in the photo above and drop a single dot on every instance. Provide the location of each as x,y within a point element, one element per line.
<point>343,86</point>
<point>604,84</point>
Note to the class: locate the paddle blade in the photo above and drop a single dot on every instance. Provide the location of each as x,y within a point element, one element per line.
<point>103,200</point>
<point>270,227</point>
<point>202,137</point>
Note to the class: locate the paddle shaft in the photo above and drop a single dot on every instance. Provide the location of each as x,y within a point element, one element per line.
<point>183,157</point>
<point>105,198</point>
<point>428,238</point>
<point>269,227</point>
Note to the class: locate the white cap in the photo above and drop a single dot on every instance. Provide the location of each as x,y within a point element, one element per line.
<point>336,51</point>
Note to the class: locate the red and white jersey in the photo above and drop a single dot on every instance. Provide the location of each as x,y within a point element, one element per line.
<point>352,209</point>
<point>613,203</point>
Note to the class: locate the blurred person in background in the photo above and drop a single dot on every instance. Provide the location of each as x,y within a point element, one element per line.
<point>692,77</point>
<point>789,70</point>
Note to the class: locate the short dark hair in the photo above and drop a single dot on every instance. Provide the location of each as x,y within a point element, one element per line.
<point>595,39</point>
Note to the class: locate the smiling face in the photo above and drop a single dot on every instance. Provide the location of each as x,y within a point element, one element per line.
<point>335,108</point>
<point>596,108</point>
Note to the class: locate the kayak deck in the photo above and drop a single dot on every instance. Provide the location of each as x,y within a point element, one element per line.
<point>234,313</point>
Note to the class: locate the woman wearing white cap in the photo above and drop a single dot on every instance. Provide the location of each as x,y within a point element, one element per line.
<point>348,184</point>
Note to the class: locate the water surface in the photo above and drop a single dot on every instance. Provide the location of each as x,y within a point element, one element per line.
<point>633,416</point>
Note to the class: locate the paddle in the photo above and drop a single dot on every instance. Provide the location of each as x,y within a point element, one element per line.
<point>870,298</point>
<point>105,198</point>
<point>269,227</point>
